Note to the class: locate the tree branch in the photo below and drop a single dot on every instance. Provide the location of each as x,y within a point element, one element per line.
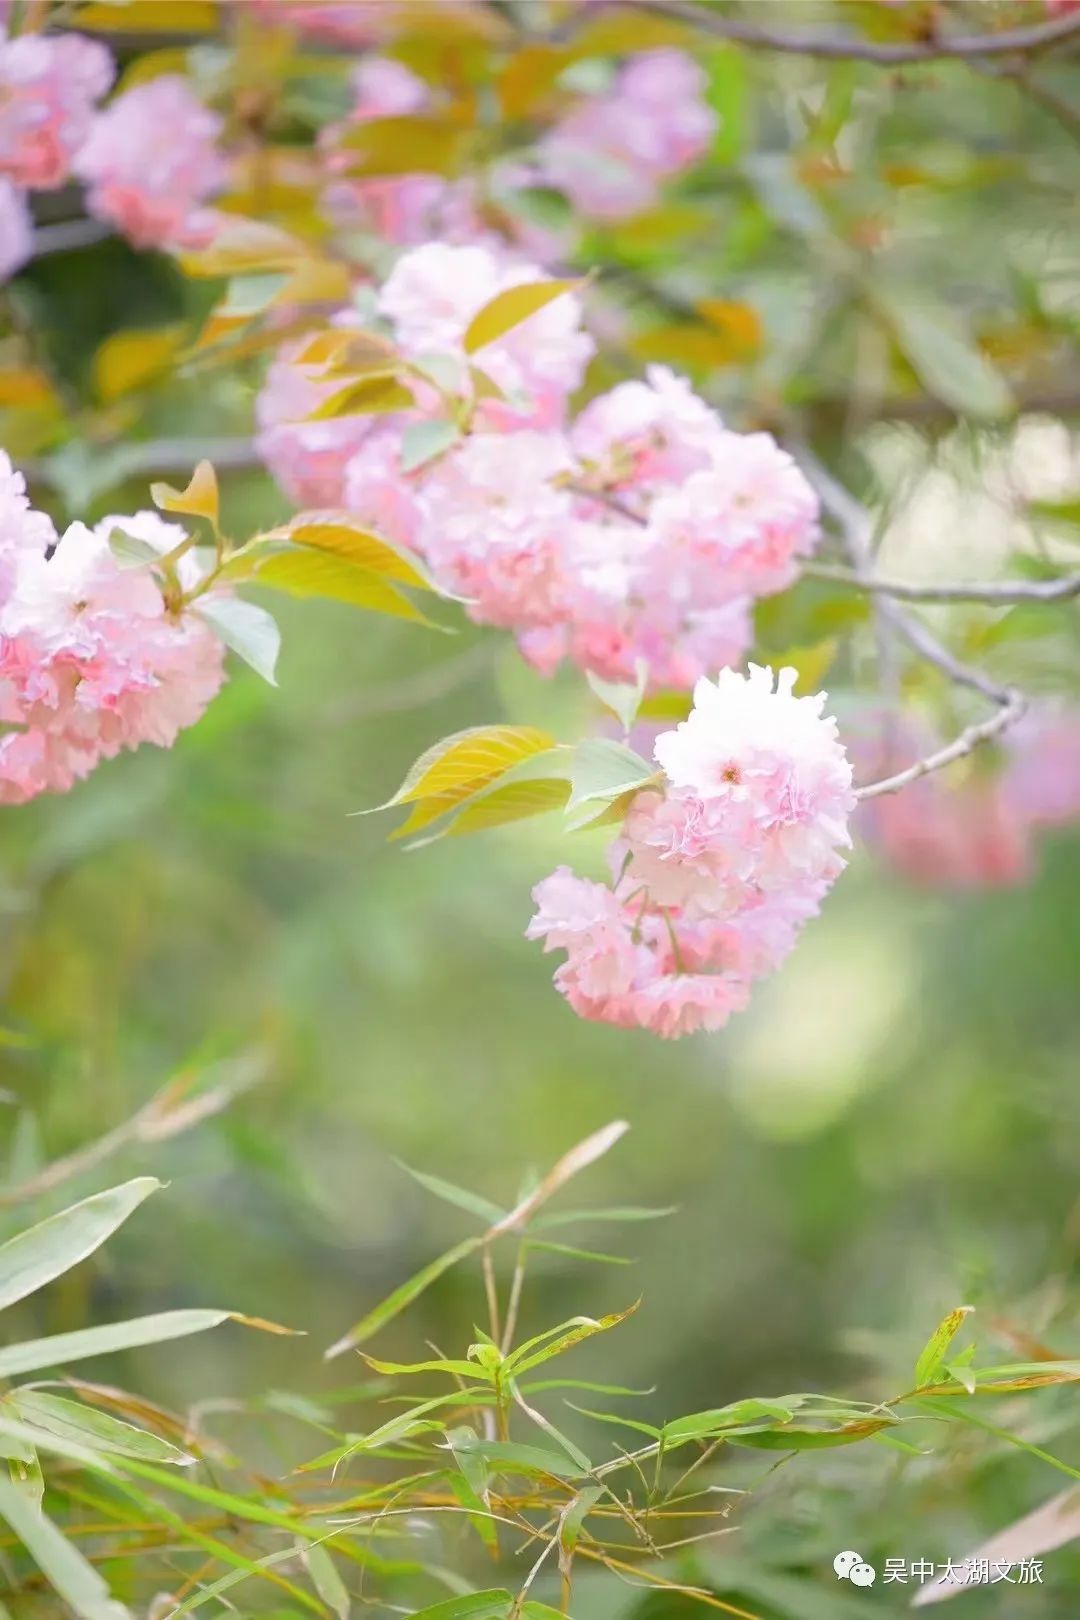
<point>848,48</point>
<point>1009,703</point>
<point>999,592</point>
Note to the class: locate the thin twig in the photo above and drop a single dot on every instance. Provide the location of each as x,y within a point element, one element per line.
<point>856,527</point>
<point>849,48</point>
<point>1000,592</point>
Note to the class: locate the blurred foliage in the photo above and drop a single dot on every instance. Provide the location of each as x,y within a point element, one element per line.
<point>880,259</point>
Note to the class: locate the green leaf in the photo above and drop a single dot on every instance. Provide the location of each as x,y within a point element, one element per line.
<point>510,308</point>
<point>402,1296</point>
<point>59,1348</point>
<point>620,1422</point>
<point>97,1430</point>
<point>703,1425</point>
<point>303,571</point>
<point>398,1369</point>
<point>340,535</point>
<point>602,769</point>
<point>46,1251</point>
<point>247,629</point>
<point>945,359</point>
<point>423,441</point>
<point>622,699</point>
<point>476,756</point>
<point>594,1255</point>
<point>326,1580</point>
<point>509,1457</point>
<point>460,1196</point>
<point>1014,1377</point>
<point>534,1351</point>
<point>64,1567</point>
<point>630,1212</point>
<point>793,1437</point>
<point>1064,512</point>
<point>489,1605</point>
<point>130,551</point>
<point>934,1351</point>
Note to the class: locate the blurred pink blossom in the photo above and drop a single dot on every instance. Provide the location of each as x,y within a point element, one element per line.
<point>149,161</point>
<point>48,86</point>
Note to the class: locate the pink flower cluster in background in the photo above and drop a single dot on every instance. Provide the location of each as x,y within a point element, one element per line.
<point>716,868</point>
<point>642,529</point>
<point>612,152</point>
<point>91,658</point>
<point>149,158</point>
<point>975,824</point>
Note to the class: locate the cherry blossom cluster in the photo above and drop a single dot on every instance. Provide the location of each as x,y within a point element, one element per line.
<point>976,825</point>
<point>148,159</point>
<point>93,658</point>
<point>641,529</point>
<point>715,870</point>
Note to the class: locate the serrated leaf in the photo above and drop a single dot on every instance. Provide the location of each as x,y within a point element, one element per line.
<point>933,1354</point>
<point>603,769</point>
<point>479,754</point>
<point>199,499</point>
<point>340,535</point>
<point>43,1252</point>
<point>303,571</point>
<point>509,308</point>
<point>249,630</point>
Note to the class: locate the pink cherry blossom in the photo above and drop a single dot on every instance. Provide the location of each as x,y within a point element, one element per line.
<point>612,152</point>
<point>150,159</point>
<point>307,458</point>
<point>494,521</point>
<point>16,229</point>
<point>717,867</point>
<point>48,86</point>
<point>343,22</point>
<point>750,515</point>
<point>431,296</point>
<point>92,660</point>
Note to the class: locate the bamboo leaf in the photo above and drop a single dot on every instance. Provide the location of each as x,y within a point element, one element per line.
<point>60,1348</point>
<point>67,1419</point>
<point>936,1348</point>
<point>44,1252</point>
<point>402,1296</point>
<point>64,1567</point>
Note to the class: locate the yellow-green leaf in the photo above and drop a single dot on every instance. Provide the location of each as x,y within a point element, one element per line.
<point>303,571</point>
<point>147,17</point>
<point>338,534</point>
<point>934,1351</point>
<point>127,360</point>
<point>514,802</point>
<point>510,308</point>
<point>375,392</point>
<point>482,753</point>
<point>199,499</point>
<point>410,144</point>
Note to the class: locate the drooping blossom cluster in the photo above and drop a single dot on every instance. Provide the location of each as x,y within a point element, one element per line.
<point>148,159</point>
<point>642,529</point>
<point>976,824</point>
<point>716,868</point>
<point>92,658</point>
<point>612,152</point>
